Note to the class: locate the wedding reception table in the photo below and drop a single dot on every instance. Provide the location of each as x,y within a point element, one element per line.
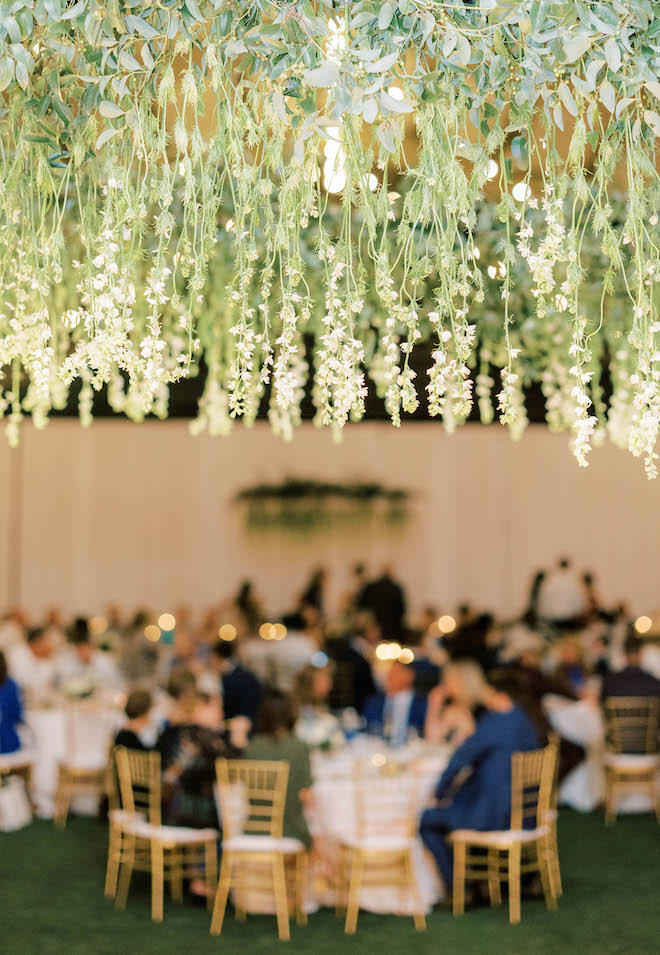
<point>332,819</point>
<point>77,732</point>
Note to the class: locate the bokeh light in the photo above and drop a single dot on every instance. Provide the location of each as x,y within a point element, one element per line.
<point>166,621</point>
<point>446,624</point>
<point>227,632</point>
<point>643,624</point>
<point>152,632</point>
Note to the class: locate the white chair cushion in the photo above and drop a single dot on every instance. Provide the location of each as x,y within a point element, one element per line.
<point>176,834</point>
<point>124,817</point>
<point>631,762</point>
<point>379,843</point>
<point>504,836</point>
<point>248,843</point>
<point>15,760</point>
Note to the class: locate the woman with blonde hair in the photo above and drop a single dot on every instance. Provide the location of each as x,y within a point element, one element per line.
<point>449,717</point>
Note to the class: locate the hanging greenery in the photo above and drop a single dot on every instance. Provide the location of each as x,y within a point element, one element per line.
<point>217,178</point>
<point>302,504</point>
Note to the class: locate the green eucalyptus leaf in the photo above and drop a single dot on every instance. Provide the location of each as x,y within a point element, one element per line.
<point>110,110</point>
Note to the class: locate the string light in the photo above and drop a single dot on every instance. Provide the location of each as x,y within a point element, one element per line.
<point>643,624</point>
<point>152,632</point>
<point>166,621</point>
<point>98,625</point>
<point>227,632</point>
<point>267,631</point>
<point>406,656</point>
<point>279,631</point>
<point>378,759</point>
<point>446,624</point>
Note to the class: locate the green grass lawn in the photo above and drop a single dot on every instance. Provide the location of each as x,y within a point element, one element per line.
<point>51,901</point>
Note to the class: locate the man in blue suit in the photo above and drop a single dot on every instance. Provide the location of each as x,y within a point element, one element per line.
<point>398,710</point>
<point>483,800</point>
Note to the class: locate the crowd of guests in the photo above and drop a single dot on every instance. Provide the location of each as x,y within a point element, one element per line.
<point>239,685</point>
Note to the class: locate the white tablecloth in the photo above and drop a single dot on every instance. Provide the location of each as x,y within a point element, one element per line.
<point>49,739</point>
<point>332,817</point>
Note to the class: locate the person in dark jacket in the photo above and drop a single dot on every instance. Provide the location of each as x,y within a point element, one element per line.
<point>137,710</point>
<point>632,680</point>
<point>398,710</point>
<point>241,690</point>
<point>385,598</point>
<point>483,800</point>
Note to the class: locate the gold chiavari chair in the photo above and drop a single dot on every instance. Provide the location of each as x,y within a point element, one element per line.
<point>631,759</point>
<point>18,764</point>
<point>552,818</point>
<point>85,768</point>
<point>506,855</point>
<point>381,852</point>
<point>255,854</point>
<point>139,841</point>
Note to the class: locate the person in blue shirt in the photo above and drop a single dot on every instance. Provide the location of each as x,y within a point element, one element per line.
<point>11,710</point>
<point>481,801</point>
<point>398,710</point>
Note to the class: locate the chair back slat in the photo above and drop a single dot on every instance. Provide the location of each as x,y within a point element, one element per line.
<point>139,782</point>
<point>252,796</point>
<point>386,800</point>
<point>631,724</point>
<point>532,780</point>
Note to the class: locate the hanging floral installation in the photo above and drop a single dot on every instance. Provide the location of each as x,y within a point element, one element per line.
<point>215,179</point>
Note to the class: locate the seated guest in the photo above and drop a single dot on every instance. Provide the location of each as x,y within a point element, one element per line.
<point>32,664</point>
<point>134,732</point>
<point>633,680</point>
<point>80,662</point>
<point>570,664</point>
<point>275,740</point>
<point>11,711</point>
<point>483,800</point>
<point>316,725</point>
<point>527,684</point>
<point>188,753</point>
<point>241,690</point>
<point>398,710</point>
<point>449,720</point>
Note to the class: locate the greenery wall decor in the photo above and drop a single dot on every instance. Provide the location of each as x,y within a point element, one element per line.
<point>302,504</point>
<point>215,178</point>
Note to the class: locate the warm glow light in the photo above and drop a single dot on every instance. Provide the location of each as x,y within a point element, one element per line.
<point>98,625</point>
<point>406,655</point>
<point>279,631</point>
<point>394,651</point>
<point>379,759</point>
<point>492,169</point>
<point>446,624</point>
<point>267,631</point>
<point>521,191</point>
<point>166,621</point>
<point>227,632</point>
<point>643,624</point>
<point>152,632</point>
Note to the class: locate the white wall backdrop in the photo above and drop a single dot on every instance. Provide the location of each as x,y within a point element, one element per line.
<point>143,514</point>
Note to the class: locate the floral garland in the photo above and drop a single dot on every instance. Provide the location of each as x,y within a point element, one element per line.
<point>168,171</point>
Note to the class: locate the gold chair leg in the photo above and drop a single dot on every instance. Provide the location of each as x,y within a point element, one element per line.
<point>62,798</point>
<point>494,885</point>
<point>514,884</point>
<point>222,894</point>
<point>281,904</point>
<point>125,872</point>
<point>417,905</point>
<point>352,908</point>
<point>114,855</point>
<point>211,871</point>
<point>610,799</point>
<point>301,888</point>
<point>544,850</point>
<point>176,873</point>
<point>157,880</point>
<point>458,890</point>
<point>341,886</point>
